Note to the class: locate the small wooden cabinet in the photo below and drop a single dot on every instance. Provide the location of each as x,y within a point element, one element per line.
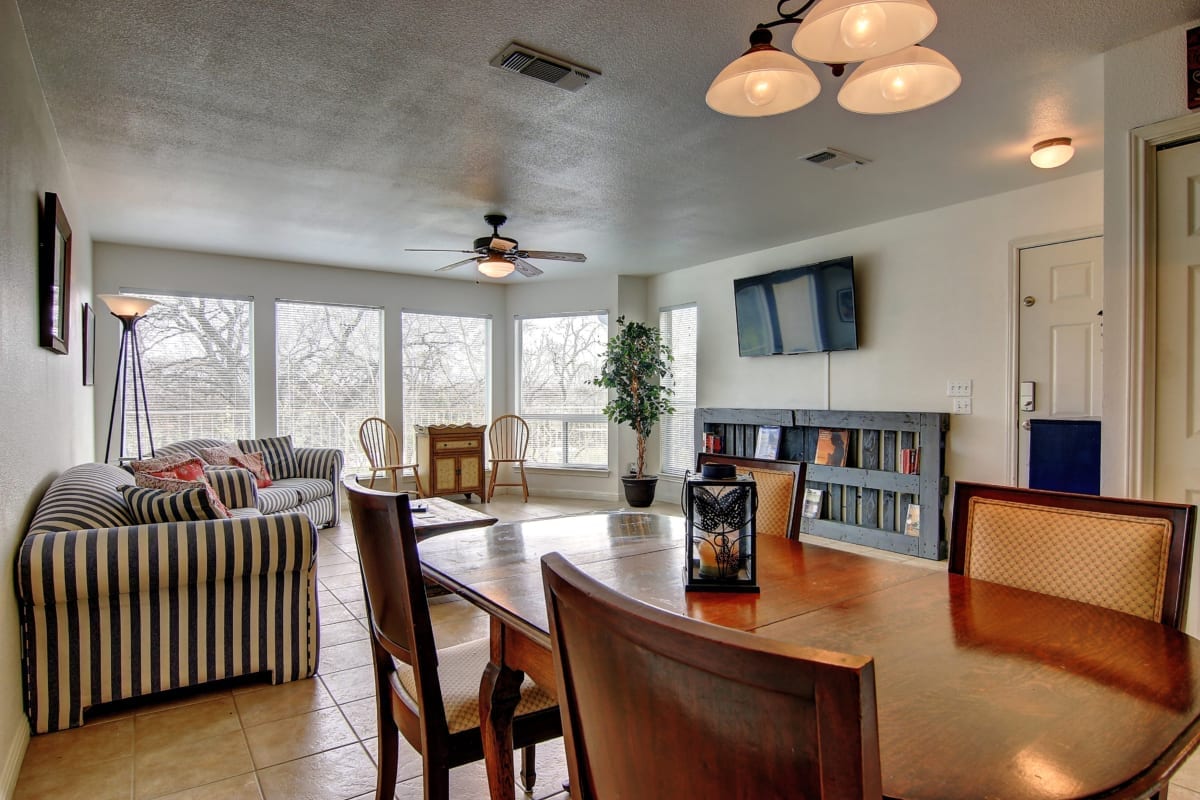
<point>450,459</point>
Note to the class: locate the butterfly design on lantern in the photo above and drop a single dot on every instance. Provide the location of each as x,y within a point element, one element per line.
<point>720,523</point>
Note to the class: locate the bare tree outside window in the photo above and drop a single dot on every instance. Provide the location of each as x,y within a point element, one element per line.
<point>558,356</point>
<point>328,374</point>
<point>196,358</point>
<point>446,378</point>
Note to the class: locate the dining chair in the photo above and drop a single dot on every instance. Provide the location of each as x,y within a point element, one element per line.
<point>430,696</point>
<point>659,705</point>
<point>508,439</point>
<point>384,454</point>
<point>780,487</point>
<point>1124,554</point>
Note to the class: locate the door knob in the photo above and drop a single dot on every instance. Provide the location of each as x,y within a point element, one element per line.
<point>1028,301</point>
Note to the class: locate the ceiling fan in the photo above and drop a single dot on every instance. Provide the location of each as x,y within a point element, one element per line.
<point>497,256</point>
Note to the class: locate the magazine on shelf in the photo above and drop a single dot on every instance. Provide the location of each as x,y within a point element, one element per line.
<point>912,520</point>
<point>812,503</point>
<point>768,442</point>
<point>831,447</point>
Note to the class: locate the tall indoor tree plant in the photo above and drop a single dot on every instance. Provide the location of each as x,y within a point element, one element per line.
<point>635,362</point>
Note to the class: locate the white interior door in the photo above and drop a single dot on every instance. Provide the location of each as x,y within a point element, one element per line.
<point>1060,324</point>
<point>1177,346</point>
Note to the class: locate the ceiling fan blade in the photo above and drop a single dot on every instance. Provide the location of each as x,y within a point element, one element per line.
<point>427,250</point>
<point>525,268</point>
<point>552,255</point>
<point>457,264</point>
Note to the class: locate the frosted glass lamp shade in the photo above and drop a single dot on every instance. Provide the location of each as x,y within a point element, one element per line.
<point>124,305</point>
<point>495,266</point>
<point>847,31</point>
<point>1052,153</point>
<point>762,81</point>
<point>905,81</point>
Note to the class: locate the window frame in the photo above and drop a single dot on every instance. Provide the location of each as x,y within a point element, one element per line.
<point>681,408</point>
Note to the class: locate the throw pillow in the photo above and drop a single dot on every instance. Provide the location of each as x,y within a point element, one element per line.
<point>220,456</point>
<point>145,480</point>
<point>254,463</point>
<point>182,467</point>
<point>278,455</point>
<point>151,506</point>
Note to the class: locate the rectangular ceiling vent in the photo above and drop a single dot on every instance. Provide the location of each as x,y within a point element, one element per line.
<point>548,69</point>
<point>834,159</point>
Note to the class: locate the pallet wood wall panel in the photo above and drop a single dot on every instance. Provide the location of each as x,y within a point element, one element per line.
<point>866,501</point>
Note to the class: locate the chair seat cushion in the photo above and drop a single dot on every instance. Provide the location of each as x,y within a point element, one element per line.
<point>459,671</point>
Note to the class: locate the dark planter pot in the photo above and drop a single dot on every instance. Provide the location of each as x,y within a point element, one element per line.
<point>639,492</point>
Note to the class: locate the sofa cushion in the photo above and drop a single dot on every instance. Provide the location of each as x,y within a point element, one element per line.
<point>145,480</point>
<point>182,468</point>
<point>220,456</point>
<point>307,489</point>
<point>257,466</point>
<point>278,454</point>
<point>277,498</point>
<point>152,506</point>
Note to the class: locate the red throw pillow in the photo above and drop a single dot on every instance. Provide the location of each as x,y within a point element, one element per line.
<point>254,463</point>
<point>180,467</point>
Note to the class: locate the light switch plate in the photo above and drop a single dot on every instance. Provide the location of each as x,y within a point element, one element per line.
<point>962,405</point>
<point>959,387</point>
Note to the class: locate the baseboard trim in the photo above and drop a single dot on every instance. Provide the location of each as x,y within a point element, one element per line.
<point>12,762</point>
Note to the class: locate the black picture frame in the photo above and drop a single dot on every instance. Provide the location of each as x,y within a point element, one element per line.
<point>89,345</point>
<point>54,275</point>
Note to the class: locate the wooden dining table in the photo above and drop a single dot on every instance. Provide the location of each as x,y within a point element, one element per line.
<point>983,690</point>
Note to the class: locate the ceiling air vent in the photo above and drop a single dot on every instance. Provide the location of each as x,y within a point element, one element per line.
<point>832,158</point>
<point>527,61</point>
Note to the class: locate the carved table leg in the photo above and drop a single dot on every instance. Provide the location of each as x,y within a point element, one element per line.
<point>499,693</point>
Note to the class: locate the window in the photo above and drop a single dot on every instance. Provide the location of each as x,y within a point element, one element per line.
<point>679,327</point>
<point>328,374</point>
<point>446,372</point>
<point>196,358</point>
<point>557,356</point>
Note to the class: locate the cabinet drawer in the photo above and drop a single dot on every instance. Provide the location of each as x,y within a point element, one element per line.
<point>457,444</point>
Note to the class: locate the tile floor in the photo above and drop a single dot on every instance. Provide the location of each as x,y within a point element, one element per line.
<point>305,740</point>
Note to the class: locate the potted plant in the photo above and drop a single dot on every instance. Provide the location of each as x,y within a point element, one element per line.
<point>635,362</point>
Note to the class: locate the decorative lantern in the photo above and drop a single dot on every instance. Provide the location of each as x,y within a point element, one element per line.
<point>719,513</point>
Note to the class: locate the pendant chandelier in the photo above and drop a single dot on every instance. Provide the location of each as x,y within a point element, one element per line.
<point>895,74</point>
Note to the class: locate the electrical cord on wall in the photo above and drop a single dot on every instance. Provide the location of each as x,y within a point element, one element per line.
<point>827,375</point>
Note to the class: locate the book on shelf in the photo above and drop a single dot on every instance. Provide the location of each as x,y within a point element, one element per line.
<point>912,520</point>
<point>767,445</point>
<point>812,503</point>
<point>831,447</point>
<point>910,460</point>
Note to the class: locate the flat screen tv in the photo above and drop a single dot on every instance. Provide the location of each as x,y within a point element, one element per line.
<point>807,309</point>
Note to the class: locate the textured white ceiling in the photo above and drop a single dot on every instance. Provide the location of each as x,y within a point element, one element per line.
<point>344,132</point>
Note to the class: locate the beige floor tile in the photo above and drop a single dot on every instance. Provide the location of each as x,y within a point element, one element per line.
<point>325,598</point>
<point>468,782</point>
<point>341,632</point>
<point>1188,774</point>
<point>334,613</point>
<point>357,608</point>
<point>298,736</point>
<point>281,701</point>
<point>94,743</point>
<point>352,593</point>
<point>1178,792</point>
<point>338,774</point>
<point>344,656</point>
<point>239,787</point>
<point>362,716</point>
<point>109,780</point>
<point>163,729</point>
<point>187,762</point>
<point>347,578</point>
<point>350,684</point>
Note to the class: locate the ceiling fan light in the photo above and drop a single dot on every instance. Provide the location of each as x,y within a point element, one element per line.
<point>905,81</point>
<point>846,31</point>
<point>762,81</point>
<point>496,266</point>
<point>1052,153</point>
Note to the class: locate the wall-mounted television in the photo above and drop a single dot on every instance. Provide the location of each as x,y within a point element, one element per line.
<point>807,309</point>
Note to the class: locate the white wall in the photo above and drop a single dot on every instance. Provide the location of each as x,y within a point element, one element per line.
<point>932,293</point>
<point>125,266</point>
<point>1144,82</point>
<point>47,412</point>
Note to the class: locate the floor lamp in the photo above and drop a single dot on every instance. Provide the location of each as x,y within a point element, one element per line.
<point>129,310</point>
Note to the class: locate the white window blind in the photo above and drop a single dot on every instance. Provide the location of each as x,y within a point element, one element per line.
<point>328,374</point>
<point>679,330</point>
<point>196,358</point>
<point>557,357</point>
<point>446,372</point>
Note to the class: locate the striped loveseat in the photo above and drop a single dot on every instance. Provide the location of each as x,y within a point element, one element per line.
<point>314,491</point>
<point>111,610</point>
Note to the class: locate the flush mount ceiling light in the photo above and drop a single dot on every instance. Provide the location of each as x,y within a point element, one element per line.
<point>496,266</point>
<point>1051,153</point>
<point>880,33</point>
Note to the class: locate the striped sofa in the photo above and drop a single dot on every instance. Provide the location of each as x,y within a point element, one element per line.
<point>111,610</point>
<point>313,492</point>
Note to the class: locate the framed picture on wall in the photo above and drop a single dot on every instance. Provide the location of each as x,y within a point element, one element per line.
<point>54,274</point>
<point>89,345</point>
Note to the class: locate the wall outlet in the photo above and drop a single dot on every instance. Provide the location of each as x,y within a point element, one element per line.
<point>962,405</point>
<point>958,388</point>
